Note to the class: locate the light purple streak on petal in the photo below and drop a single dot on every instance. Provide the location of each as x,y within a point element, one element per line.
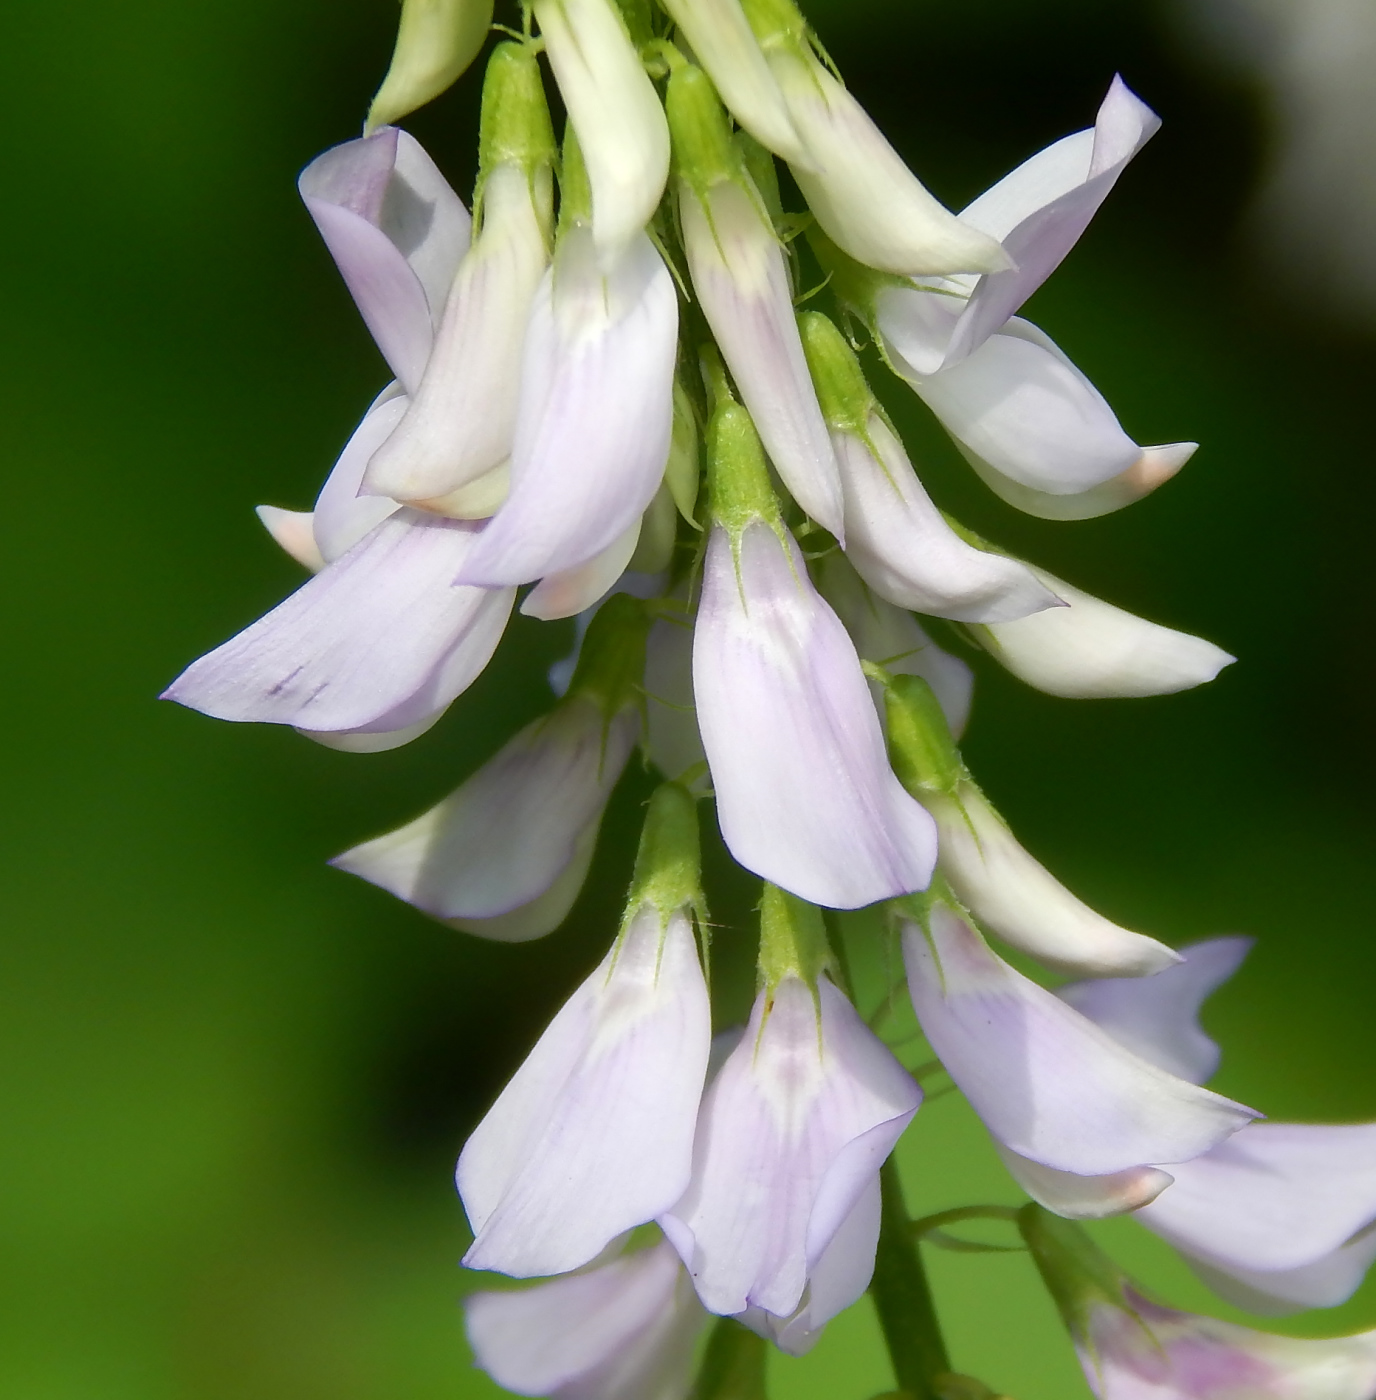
<point>805,795</point>
<point>594,415</point>
<point>396,232</point>
<point>1156,1353</point>
<point>377,641</point>
<point>892,638</point>
<point>460,422</point>
<point>1155,467</point>
<point>503,838</point>
<point>1047,1082</point>
<point>1047,233</point>
<point>1017,898</point>
<point>1325,1283</point>
<point>1158,1017</point>
<point>622,1331</point>
<point>673,740</point>
<point>594,1133</point>
<point>1091,650</point>
<point>901,545</point>
<point>293,531</point>
<point>792,1131</point>
<point>738,271</point>
<point>1084,1197</point>
<point>575,590</point>
<point>1277,1196</point>
<point>342,516</point>
<point>838,1279</point>
<point>1021,407</point>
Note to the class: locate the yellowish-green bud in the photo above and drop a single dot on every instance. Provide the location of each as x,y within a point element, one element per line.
<point>704,154</point>
<point>683,471</point>
<point>737,473</point>
<point>668,865</point>
<point>921,749</point>
<point>793,939</point>
<point>611,663</point>
<point>515,129</point>
<point>845,396</point>
<point>436,41</point>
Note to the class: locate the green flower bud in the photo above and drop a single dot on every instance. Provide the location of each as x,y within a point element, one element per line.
<point>921,749</point>
<point>737,472</point>
<point>515,128</point>
<point>436,41</point>
<point>846,399</point>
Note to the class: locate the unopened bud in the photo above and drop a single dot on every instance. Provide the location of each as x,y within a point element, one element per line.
<point>846,398</point>
<point>921,749</point>
<point>436,41</point>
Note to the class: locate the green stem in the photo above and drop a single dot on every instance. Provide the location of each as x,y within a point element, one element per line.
<point>903,1297</point>
<point>954,1217</point>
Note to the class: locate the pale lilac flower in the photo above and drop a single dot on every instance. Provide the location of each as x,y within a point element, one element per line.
<point>792,1133</point>
<point>594,1134</point>
<point>805,794</point>
<point>593,416</point>
<point>1047,1082</point>
<point>505,837</point>
<point>341,517</point>
<point>397,233</point>
<point>573,591</point>
<point>624,1330</point>
<point>378,641</point>
<point>616,114</point>
<point>1090,649</point>
<point>460,421</point>
<point>294,532</point>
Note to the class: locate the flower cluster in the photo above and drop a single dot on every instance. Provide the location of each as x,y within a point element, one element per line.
<point>611,397</point>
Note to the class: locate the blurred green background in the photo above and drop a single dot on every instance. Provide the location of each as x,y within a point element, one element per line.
<point>234,1081</point>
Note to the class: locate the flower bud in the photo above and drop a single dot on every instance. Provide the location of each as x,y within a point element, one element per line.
<point>436,41</point>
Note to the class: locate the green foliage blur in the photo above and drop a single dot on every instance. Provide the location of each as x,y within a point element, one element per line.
<point>235,1081</point>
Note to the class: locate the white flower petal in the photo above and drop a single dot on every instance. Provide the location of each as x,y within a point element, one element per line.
<point>577,589</point>
<point>594,1133</point>
<point>1084,1197</point>
<point>377,641</point>
<point>594,415</point>
<point>901,545</point>
<point>342,517</point>
<point>742,285</point>
<point>1048,1083</point>
<point>622,1331</point>
<point>505,836</point>
<point>1325,1283</point>
<point>459,423</point>
<point>615,112</point>
<point>864,197</point>
<point>1158,1017</point>
<point>369,740</point>
<point>396,232</point>
<point>793,1130</point>
<point>805,795</point>
<point>293,530</point>
<point>1024,904</point>
<point>1091,650</point>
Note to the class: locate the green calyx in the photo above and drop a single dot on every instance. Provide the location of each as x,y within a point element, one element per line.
<point>855,285</point>
<point>515,126</point>
<point>1077,1273</point>
<point>793,939</point>
<point>776,22</point>
<point>575,189</point>
<point>846,399</point>
<point>737,472</point>
<point>668,865</point>
<point>611,663</point>
<point>923,752</point>
<point>704,154</point>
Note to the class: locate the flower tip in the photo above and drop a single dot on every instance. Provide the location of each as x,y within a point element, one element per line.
<point>294,531</point>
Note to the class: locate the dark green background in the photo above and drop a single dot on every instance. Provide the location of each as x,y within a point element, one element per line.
<point>235,1081</point>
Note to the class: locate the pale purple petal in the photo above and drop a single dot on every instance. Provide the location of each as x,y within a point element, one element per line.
<point>1275,1196</point>
<point>594,414</point>
<point>1158,1017</point>
<point>892,638</point>
<point>742,285</point>
<point>505,836</point>
<point>1049,220</point>
<point>396,232</point>
<point>805,795</point>
<point>460,422</point>
<point>792,1132</point>
<point>372,740</point>
<point>594,1133</point>
<point>575,590</point>
<point>377,641</point>
<point>1084,1197</point>
<point>1048,1083</point>
<point>1325,1283</point>
<point>901,545</point>
<point>1017,898</point>
<point>342,517</point>
<point>294,531</point>
<point>622,1331</point>
<point>1091,650</point>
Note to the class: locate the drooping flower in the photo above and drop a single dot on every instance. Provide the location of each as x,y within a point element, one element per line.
<point>594,1134</point>
<point>505,855</point>
<point>793,1131</point>
<point>624,1330</point>
<point>1132,1348</point>
<point>805,794</point>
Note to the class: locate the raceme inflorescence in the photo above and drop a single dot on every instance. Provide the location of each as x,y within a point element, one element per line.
<point>635,382</point>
